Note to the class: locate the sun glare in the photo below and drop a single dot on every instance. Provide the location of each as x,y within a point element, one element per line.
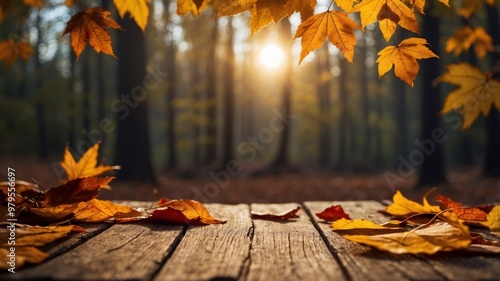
<point>271,56</point>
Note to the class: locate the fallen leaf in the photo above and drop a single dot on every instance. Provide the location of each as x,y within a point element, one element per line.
<point>282,216</point>
<point>463,213</point>
<point>138,10</point>
<point>348,224</point>
<point>96,210</point>
<point>334,25</point>
<point>476,93</point>
<point>86,166</point>
<point>404,58</point>
<point>74,191</point>
<point>184,212</point>
<point>333,213</point>
<point>23,255</point>
<point>493,219</point>
<point>439,236</point>
<point>90,25</point>
<point>403,207</point>
<point>11,50</point>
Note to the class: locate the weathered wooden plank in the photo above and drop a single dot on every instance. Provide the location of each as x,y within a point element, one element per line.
<point>124,251</point>
<point>289,250</point>
<point>361,262</point>
<point>212,251</point>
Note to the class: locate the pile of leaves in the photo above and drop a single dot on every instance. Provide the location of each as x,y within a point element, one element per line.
<point>41,217</point>
<point>423,228</point>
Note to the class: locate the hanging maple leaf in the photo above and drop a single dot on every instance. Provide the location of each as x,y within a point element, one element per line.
<point>439,236</point>
<point>476,93</point>
<point>304,7</point>
<point>266,11</point>
<point>11,50</point>
<point>138,10</point>
<point>404,58</point>
<point>86,166</point>
<point>292,214</point>
<point>34,3</point>
<point>335,25</point>
<point>345,5</point>
<point>90,25</point>
<point>184,212</point>
<point>74,191</point>
<point>465,37</point>
<point>333,213</point>
<point>231,7</point>
<point>469,7</point>
<point>403,207</point>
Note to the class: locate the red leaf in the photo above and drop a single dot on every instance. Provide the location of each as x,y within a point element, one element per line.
<point>285,216</point>
<point>464,213</point>
<point>75,191</point>
<point>333,213</point>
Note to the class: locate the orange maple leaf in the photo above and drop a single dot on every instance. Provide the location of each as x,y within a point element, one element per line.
<point>336,25</point>
<point>90,25</point>
<point>266,11</point>
<point>138,9</point>
<point>465,37</point>
<point>192,6</point>
<point>86,166</point>
<point>34,3</point>
<point>304,7</point>
<point>231,7</point>
<point>476,94</point>
<point>96,210</point>
<point>74,191</point>
<point>463,213</point>
<point>11,50</point>
<point>183,212</point>
<point>404,58</point>
<point>346,5</point>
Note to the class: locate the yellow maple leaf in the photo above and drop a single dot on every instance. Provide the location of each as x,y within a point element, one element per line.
<point>335,25</point>
<point>11,50</point>
<point>476,93</point>
<point>403,207</point>
<point>304,7</point>
<point>266,11</point>
<point>417,5</point>
<point>493,219</point>
<point>191,6</point>
<point>393,10</point>
<point>404,58</point>
<point>439,236</point>
<point>464,37</point>
<point>34,3</point>
<point>345,5</point>
<point>97,210</point>
<point>469,7</point>
<point>138,10</point>
<point>345,224</point>
<point>90,25</point>
<point>86,166</point>
<point>232,7</point>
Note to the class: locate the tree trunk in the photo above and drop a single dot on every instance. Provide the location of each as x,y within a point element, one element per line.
<point>400,110</point>
<point>40,107</point>
<point>72,105</point>
<point>365,100</point>
<point>342,161</point>
<point>227,150</point>
<point>324,65</point>
<point>195,110</point>
<point>281,159</point>
<point>211,72</point>
<point>492,152</point>
<point>432,169</point>
<point>132,147</point>
<point>86,81</point>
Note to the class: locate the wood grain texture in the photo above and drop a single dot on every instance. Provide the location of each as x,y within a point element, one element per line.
<point>361,262</point>
<point>213,251</point>
<point>124,251</point>
<point>289,250</point>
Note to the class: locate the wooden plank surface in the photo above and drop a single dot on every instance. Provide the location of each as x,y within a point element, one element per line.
<point>363,263</point>
<point>289,250</point>
<point>213,251</point>
<point>124,251</point>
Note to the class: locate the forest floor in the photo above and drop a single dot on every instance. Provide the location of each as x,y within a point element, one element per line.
<point>465,185</point>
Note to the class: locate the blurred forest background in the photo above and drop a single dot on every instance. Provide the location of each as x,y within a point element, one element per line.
<point>190,107</point>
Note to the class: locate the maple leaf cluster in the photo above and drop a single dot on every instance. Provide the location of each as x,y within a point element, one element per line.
<point>423,228</point>
<point>75,200</point>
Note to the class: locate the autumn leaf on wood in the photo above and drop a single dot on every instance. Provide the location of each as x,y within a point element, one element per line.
<point>184,212</point>
<point>476,93</point>
<point>333,213</point>
<point>463,213</point>
<point>493,219</point>
<point>439,236</point>
<point>191,6</point>
<point>348,224</point>
<point>138,10</point>
<point>74,191</point>
<point>24,191</point>
<point>27,239</point>
<point>97,210</point>
<point>90,25</point>
<point>34,3</point>
<point>465,37</point>
<point>404,58</point>
<point>86,166</point>
<point>335,25</point>
<point>292,214</point>
<point>231,7</point>
<point>403,207</point>
<point>11,50</point>
<point>266,11</point>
